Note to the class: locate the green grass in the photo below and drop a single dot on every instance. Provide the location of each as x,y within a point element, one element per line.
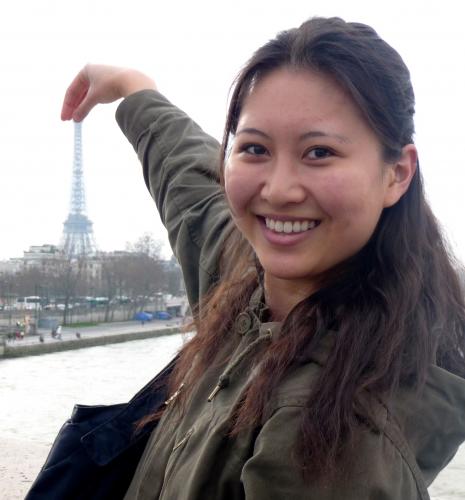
<point>82,324</point>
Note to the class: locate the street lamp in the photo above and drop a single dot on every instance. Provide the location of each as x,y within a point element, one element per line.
<point>37,305</point>
<point>8,283</point>
<point>91,304</point>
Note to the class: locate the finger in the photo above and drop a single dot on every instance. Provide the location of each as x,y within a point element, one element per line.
<point>69,106</point>
<point>84,107</point>
<point>74,95</point>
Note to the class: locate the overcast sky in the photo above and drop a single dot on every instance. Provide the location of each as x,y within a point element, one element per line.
<point>193,49</point>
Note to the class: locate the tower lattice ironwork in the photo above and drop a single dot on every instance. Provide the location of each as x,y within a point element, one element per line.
<point>78,236</point>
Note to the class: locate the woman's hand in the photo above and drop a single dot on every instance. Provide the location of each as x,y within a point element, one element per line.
<point>98,84</point>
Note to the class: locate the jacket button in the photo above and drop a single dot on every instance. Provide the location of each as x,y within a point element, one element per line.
<point>243,323</point>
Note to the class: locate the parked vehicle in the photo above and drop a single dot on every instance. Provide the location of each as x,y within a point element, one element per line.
<point>28,303</point>
<point>143,316</point>
<point>161,315</point>
<point>62,307</point>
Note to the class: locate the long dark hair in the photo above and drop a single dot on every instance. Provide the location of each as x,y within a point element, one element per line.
<point>396,306</point>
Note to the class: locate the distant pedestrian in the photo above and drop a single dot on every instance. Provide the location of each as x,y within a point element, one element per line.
<point>18,331</point>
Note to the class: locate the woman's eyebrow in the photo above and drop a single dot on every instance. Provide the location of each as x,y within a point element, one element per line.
<point>306,135</point>
<point>319,133</point>
<point>249,130</point>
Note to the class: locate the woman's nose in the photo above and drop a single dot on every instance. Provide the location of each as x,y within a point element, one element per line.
<point>282,185</point>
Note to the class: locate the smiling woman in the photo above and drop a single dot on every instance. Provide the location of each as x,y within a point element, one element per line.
<point>330,323</point>
<point>307,199</point>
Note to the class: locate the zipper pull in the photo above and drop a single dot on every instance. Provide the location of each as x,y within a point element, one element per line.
<point>174,396</point>
<point>223,381</point>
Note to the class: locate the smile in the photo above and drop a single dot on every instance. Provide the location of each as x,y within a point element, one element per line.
<point>288,227</point>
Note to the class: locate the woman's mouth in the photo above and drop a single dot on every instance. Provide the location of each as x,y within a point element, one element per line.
<point>290,226</point>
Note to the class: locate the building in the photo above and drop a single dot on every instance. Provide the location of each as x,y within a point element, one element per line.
<point>42,256</point>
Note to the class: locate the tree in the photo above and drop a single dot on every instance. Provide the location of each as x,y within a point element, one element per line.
<point>174,283</point>
<point>26,281</point>
<point>65,279</point>
<point>112,280</point>
<point>144,270</point>
<point>146,245</point>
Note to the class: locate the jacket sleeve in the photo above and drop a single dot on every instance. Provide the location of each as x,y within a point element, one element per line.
<point>180,164</point>
<point>377,471</point>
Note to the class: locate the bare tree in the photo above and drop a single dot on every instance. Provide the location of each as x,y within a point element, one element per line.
<point>144,270</point>
<point>174,283</point>
<point>146,245</point>
<point>26,281</point>
<point>112,281</point>
<point>65,280</point>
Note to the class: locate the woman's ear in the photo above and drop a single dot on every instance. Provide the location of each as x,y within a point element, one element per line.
<point>400,175</point>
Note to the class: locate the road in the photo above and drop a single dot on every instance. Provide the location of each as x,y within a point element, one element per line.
<point>103,329</point>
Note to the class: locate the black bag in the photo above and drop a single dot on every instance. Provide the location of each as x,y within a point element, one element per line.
<point>96,452</point>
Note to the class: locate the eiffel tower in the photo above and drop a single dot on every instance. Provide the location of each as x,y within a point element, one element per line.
<point>78,236</point>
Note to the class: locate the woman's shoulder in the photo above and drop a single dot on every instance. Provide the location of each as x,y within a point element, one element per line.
<point>423,427</point>
<point>380,461</point>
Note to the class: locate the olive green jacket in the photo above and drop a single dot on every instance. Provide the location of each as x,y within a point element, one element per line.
<point>192,458</point>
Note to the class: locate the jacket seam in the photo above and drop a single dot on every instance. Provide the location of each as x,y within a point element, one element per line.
<point>394,435</point>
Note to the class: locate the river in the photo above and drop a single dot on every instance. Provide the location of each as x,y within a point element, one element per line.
<point>37,395</point>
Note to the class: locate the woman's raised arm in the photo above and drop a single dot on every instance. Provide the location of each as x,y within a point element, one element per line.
<point>181,169</point>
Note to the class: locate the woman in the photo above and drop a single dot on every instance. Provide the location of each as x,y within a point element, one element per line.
<point>328,360</point>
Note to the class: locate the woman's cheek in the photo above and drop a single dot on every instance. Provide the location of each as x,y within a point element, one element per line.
<point>341,195</point>
<point>353,203</point>
<point>333,193</point>
<point>240,189</point>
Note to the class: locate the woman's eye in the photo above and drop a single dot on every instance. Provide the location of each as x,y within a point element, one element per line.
<point>319,153</point>
<point>254,149</point>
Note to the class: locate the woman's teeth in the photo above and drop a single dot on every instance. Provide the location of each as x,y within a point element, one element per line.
<point>280,226</point>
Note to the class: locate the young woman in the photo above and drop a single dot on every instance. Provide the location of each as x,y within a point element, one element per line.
<point>328,361</point>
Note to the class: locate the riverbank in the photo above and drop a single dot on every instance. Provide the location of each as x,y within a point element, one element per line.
<point>19,465</point>
<point>73,338</point>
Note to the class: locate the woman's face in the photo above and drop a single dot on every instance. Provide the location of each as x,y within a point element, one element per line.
<point>305,178</point>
